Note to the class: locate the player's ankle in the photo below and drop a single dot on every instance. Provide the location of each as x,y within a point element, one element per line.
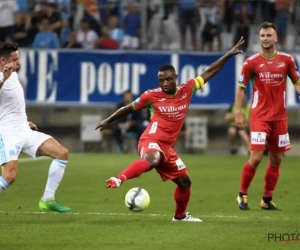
<point>179,217</point>
<point>122,178</point>
<point>267,198</point>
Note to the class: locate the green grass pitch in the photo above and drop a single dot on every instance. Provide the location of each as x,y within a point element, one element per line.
<point>99,219</point>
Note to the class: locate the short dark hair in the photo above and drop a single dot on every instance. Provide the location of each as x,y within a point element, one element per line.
<point>128,91</point>
<point>267,25</point>
<point>7,48</point>
<point>166,67</point>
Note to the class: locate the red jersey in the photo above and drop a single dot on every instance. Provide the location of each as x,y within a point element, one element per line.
<point>268,77</point>
<point>167,111</point>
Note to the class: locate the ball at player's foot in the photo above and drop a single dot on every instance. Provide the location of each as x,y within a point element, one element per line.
<point>137,199</point>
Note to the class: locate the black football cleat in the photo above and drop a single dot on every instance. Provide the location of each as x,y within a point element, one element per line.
<point>269,205</point>
<point>242,201</point>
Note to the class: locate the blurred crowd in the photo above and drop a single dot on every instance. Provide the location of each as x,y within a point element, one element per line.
<point>145,24</point>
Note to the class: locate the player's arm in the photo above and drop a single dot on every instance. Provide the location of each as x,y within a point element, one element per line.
<point>121,112</point>
<point>216,66</point>
<point>2,82</point>
<point>294,74</point>
<point>7,70</point>
<point>139,103</point>
<point>247,72</point>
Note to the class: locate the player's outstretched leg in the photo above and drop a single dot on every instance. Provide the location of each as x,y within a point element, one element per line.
<point>182,196</point>
<point>60,156</point>
<point>271,179</point>
<point>9,173</point>
<point>248,174</point>
<point>135,169</point>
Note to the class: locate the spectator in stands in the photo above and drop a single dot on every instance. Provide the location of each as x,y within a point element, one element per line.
<point>132,25</point>
<point>233,131</point>
<point>211,23</point>
<point>86,37</point>
<point>155,25</point>
<point>8,9</point>
<point>45,10</point>
<point>65,31</point>
<point>282,19</point>
<point>53,16</point>
<point>228,6</point>
<point>72,43</point>
<point>115,32</point>
<point>106,42</point>
<point>243,13</point>
<point>136,123</point>
<point>46,38</point>
<point>188,17</point>
<point>268,11</point>
<point>297,21</point>
<point>65,9</point>
<point>21,30</point>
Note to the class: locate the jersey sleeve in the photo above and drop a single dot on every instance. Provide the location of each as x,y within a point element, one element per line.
<point>142,101</point>
<point>246,74</point>
<point>196,83</point>
<point>293,72</point>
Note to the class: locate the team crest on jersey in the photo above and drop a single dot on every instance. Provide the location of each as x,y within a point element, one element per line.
<point>280,65</point>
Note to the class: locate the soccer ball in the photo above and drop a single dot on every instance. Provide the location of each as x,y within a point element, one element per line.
<point>137,199</point>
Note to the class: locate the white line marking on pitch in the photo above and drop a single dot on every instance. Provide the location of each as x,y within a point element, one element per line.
<point>146,215</point>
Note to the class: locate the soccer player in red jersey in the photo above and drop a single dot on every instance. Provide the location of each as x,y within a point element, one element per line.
<point>268,71</point>
<point>168,105</point>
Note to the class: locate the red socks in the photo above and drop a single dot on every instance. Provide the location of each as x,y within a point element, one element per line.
<point>271,178</point>
<point>135,169</point>
<point>247,177</point>
<point>182,197</point>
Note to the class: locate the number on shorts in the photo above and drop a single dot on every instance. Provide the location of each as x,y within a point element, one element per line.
<point>180,164</point>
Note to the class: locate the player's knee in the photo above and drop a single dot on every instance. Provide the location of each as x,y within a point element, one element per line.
<point>63,154</point>
<point>275,159</point>
<point>153,158</point>
<point>183,182</point>
<point>256,157</point>
<point>186,184</point>
<point>231,132</point>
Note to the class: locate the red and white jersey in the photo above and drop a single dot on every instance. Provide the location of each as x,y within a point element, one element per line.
<point>268,77</point>
<point>167,111</point>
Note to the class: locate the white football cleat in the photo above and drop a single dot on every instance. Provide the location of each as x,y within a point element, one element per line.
<point>113,182</point>
<point>187,218</point>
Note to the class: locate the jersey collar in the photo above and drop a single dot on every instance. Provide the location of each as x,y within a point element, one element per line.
<point>267,57</point>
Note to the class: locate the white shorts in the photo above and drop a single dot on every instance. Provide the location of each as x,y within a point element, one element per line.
<point>26,141</point>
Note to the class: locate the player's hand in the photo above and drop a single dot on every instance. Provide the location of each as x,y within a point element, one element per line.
<point>236,49</point>
<point>33,126</point>
<point>8,69</point>
<point>240,121</point>
<point>102,125</point>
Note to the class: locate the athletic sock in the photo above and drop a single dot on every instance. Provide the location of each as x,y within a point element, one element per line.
<point>247,177</point>
<point>271,179</point>
<point>3,184</point>
<point>182,198</point>
<point>135,169</point>
<point>56,173</point>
